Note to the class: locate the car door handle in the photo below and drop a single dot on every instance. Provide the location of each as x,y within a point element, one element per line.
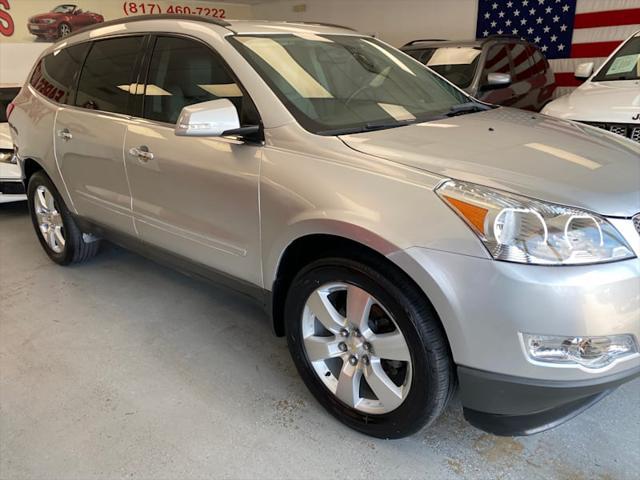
<point>142,153</point>
<point>65,134</point>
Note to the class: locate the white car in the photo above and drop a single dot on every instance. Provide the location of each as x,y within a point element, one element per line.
<point>610,99</point>
<point>11,186</point>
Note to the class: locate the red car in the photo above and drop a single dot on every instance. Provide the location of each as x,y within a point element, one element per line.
<point>61,21</point>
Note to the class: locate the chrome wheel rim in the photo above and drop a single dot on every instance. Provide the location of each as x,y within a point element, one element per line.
<point>356,348</point>
<point>50,221</point>
<point>64,30</point>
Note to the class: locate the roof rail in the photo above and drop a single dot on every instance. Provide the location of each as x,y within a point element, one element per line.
<point>493,37</point>
<point>412,42</point>
<point>324,24</point>
<point>164,16</point>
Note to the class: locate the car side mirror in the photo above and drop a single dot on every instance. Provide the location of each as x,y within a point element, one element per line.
<point>208,119</point>
<point>496,81</point>
<point>584,70</point>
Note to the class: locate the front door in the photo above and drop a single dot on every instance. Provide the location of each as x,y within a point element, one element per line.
<point>498,60</point>
<point>195,197</point>
<point>89,135</point>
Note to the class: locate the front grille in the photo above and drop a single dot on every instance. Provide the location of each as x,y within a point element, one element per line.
<point>636,223</point>
<point>629,130</point>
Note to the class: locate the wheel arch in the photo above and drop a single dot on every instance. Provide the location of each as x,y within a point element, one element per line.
<point>29,167</point>
<point>315,246</point>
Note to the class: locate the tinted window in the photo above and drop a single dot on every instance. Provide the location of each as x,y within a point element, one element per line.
<point>55,75</point>
<point>417,54</point>
<point>185,72</point>
<point>539,62</point>
<point>107,74</point>
<point>498,60</point>
<point>522,62</point>
<point>456,64</point>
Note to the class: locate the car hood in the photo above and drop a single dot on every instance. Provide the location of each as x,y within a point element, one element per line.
<point>6,143</point>
<point>529,154</point>
<point>611,102</point>
<point>42,16</point>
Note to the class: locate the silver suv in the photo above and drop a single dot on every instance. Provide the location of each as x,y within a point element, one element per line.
<point>404,237</point>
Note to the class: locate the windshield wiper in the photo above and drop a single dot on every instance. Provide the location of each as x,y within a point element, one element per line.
<point>367,127</point>
<point>468,107</point>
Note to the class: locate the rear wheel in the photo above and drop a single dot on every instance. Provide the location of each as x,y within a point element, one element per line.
<point>64,30</point>
<point>368,346</point>
<point>57,231</point>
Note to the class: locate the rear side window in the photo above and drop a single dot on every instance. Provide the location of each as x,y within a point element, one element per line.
<point>185,72</point>
<point>55,74</point>
<point>540,64</point>
<point>107,75</point>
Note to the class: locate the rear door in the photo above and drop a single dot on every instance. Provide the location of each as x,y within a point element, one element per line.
<point>196,197</point>
<point>89,134</point>
<point>544,78</point>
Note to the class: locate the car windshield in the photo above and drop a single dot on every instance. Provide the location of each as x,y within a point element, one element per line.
<point>64,9</point>
<point>624,65</point>
<point>456,64</point>
<point>338,84</point>
<point>6,97</point>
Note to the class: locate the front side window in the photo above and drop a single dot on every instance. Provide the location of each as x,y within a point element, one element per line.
<point>456,64</point>
<point>624,65</point>
<point>540,64</point>
<point>498,60</point>
<point>54,75</point>
<point>334,84</point>
<point>184,72</point>
<point>522,62</point>
<point>108,74</point>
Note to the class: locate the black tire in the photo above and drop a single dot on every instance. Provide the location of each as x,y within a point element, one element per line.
<point>433,378</point>
<point>75,250</point>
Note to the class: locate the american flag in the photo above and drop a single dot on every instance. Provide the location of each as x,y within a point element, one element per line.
<point>568,32</point>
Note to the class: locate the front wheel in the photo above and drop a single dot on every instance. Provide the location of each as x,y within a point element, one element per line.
<point>56,229</point>
<point>369,346</point>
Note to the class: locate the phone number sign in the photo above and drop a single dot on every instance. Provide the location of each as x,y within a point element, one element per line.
<point>152,8</point>
<point>7,26</point>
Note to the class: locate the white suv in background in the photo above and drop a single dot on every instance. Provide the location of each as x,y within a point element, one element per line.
<point>610,99</point>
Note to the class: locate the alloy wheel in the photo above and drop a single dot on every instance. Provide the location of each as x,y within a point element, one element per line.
<point>49,219</point>
<point>356,348</point>
<point>65,30</point>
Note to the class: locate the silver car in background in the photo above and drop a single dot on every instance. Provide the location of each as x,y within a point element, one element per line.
<point>405,238</point>
<point>11,185</point>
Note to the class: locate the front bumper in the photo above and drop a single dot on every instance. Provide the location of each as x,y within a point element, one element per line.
<point>486,305</point>
<point>505,405</point>
<point>43,29</point>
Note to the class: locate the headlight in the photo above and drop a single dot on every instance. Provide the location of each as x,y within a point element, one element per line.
<point>523,230</point>
<point>48,21</point>
<point>7,156</point>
